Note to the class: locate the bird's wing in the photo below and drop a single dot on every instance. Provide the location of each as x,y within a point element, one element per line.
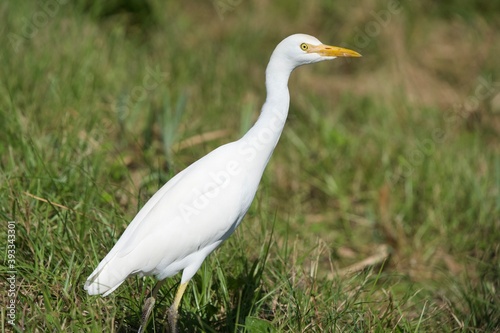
<point>194,209</point>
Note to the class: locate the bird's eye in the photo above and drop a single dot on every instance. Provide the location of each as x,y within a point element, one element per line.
<point>304,46</point>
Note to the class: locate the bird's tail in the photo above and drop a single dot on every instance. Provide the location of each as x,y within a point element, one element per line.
<point>105,278</point>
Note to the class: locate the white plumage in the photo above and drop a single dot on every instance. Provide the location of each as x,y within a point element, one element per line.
<point>200,207</point>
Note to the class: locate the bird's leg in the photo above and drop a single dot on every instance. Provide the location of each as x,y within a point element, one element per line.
<point>172,312</point>
<point>148,306</point>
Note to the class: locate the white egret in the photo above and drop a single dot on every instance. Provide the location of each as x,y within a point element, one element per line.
<point>194,212</point>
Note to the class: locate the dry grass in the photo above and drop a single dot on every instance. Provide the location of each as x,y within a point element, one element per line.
<point>359,182</point>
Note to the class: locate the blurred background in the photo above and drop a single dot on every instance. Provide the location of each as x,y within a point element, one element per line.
<point>379,211</point>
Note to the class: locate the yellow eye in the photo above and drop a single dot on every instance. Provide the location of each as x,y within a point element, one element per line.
<point>304,46</point>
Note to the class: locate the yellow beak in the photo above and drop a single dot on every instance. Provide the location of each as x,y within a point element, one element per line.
<point>332,51</point>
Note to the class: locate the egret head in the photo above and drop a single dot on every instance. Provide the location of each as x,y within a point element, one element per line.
<point>301,49</point>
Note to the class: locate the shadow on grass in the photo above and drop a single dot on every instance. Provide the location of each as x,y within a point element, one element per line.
<point>244,291</point>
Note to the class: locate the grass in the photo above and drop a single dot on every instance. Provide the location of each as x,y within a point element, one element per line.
<point>397,150</point>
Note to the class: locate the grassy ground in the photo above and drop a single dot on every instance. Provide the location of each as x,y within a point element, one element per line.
<point>379,211</point>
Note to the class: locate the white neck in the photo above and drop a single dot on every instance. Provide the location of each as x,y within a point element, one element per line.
<point>265,133</point>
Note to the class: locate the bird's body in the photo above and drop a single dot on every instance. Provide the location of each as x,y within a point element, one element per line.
<point>176,230</point>
<point>193,213</point>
